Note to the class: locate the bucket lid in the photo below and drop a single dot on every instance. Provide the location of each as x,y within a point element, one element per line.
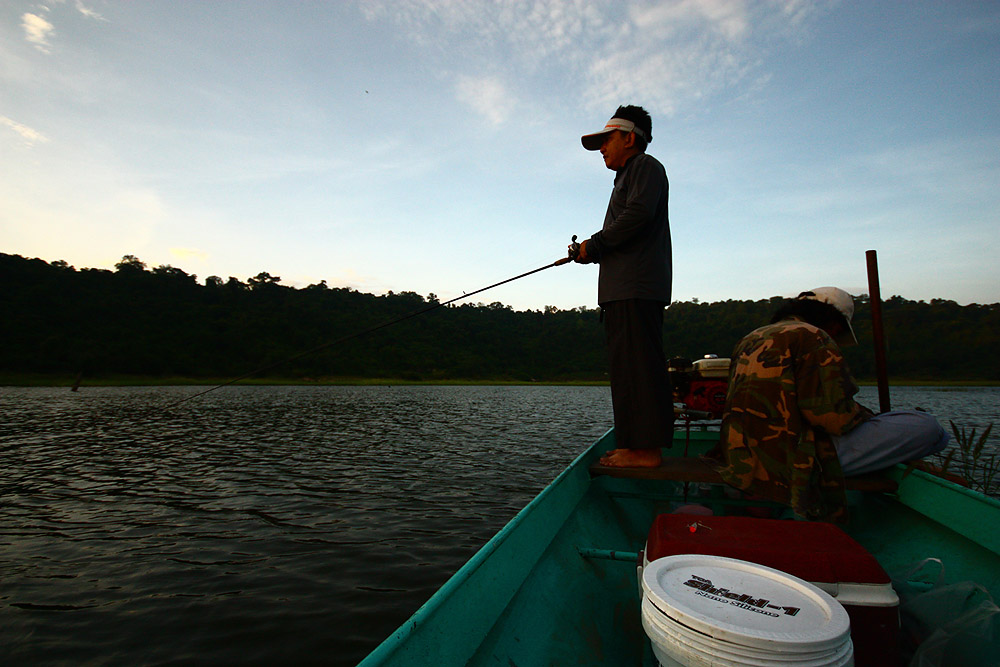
<point>745,603</point>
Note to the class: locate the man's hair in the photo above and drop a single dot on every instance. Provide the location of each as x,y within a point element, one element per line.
<point>641,118</point>
<point>814,312</point>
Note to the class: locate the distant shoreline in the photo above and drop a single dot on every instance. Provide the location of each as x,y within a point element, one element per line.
<point>40,380</point>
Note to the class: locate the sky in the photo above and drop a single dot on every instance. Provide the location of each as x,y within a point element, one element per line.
<point>433,146</point>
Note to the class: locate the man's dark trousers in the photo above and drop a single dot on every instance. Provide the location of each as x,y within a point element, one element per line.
<point>640,387</point>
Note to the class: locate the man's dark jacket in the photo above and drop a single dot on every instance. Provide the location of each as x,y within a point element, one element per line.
<point>633,248</point>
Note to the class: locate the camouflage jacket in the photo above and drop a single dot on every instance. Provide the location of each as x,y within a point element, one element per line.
<point>789,390</point>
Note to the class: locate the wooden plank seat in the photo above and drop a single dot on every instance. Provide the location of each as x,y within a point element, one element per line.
<point>695,469</point>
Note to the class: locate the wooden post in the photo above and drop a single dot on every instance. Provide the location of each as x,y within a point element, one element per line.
<point>878,333</point>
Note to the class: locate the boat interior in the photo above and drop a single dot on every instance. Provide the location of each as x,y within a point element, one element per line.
<point>562,579</point>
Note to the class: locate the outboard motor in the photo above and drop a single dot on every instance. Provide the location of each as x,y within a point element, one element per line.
<point>701,385</point>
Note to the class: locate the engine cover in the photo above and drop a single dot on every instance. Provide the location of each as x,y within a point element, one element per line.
<point>707,395</point>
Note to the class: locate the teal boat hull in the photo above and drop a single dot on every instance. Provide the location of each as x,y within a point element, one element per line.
<point>558,585</point>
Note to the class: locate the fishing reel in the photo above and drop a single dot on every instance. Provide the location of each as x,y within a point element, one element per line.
<point>574,249</point>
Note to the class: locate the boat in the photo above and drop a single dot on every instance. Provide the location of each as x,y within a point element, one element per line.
<point>670,566</point>
<point>562,584</point>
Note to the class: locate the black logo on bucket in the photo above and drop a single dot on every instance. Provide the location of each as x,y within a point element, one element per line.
<point>746,601</point>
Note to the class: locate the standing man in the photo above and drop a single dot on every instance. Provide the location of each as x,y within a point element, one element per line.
<point>633,249</point>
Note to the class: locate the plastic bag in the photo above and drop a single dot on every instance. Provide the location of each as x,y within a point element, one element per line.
<point>971,640</point>
<point>945,625</point>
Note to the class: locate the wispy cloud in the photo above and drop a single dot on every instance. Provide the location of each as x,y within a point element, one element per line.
<point>87,11</point>
<point>666,55</point>
<point>486,96</point>
<point>37,30</point>
<point>29,135</point>
<point>728,18</point>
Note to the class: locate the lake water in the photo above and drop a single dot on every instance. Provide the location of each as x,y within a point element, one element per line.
<point>273,524</point>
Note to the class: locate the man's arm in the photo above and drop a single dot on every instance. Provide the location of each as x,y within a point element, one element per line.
<point>826,389</point>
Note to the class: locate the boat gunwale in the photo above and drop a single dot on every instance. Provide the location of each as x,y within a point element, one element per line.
<point>900,471</point>
<point>426,611</point>
<point>944,502</point>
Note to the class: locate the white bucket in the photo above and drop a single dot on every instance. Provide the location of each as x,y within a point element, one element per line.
<point>711,610</point>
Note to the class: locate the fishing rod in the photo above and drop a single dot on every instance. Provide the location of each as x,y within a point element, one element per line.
<point>373,329</point>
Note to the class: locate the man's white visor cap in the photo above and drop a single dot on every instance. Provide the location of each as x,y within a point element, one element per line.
<point>592,142</point>
<point>842,301</point>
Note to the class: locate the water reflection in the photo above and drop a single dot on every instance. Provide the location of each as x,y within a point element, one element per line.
<point>300,524</point>
<point>261,524</point>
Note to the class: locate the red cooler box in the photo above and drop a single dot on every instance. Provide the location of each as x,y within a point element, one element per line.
<point>819,553</point>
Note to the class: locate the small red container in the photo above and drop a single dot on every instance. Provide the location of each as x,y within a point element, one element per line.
<point>819,553</point>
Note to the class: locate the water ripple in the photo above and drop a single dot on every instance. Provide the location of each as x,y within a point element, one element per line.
<point>266,525</point>
<point>249,523</point>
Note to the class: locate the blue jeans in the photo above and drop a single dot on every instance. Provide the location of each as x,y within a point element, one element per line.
<point>888,439</point>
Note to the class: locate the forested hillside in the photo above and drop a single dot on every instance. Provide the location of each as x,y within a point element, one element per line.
<point>161,322</point>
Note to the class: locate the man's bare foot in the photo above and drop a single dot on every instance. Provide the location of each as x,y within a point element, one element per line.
<point>632,458</point>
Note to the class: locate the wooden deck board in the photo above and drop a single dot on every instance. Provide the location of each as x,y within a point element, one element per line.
<point>695,469</point>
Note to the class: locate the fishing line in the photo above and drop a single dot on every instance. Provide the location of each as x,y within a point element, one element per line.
<point>365,332</point>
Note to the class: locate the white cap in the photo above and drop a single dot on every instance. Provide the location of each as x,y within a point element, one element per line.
<point>592,142</point>
<point>839,299</point>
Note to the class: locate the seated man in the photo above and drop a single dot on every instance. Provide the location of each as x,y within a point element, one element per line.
<point>792,429</point>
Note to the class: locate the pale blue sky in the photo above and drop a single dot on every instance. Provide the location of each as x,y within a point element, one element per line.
<point>434,147</point>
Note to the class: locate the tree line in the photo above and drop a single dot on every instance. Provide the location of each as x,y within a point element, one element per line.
<point>162,322</point>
